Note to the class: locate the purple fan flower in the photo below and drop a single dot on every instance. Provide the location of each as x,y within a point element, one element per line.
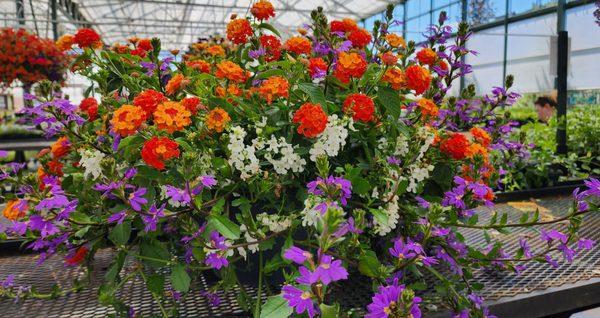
<point>394,161</point>
<point>585,244</point>
<point>136,199</point>
<point>525,248</point>
<point>255,54</point>
<point>46,228</point>
<point>107,189</point>
<point>550,235</point>
<point>593,187</point>
<point>56,201</point>
<point>335,188</point>
<point>422,202</point>
<point>213,298</point>
<point>388,299</point>
<point>346,227</point>
<point>216,261</point>
<point>130,173</point>
<point>329,270</point>
<point>178,195</point>
<point>300,300</point>
<point>8,282</point>
<point>149,66</point>
<point>306,276</point>
<point>297,255</point>
<point>118,217</point>
<point>402,250</point>
<point>151,219</point>
<point>568,253</point>
<point>551,261</point>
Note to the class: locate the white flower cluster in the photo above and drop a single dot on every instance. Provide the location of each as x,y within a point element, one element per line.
<point>310,216</point>
<point>391,210</point>
<point>333,138</point>
<point>288,159</point>
<point>253,248</point>
<point>91,161</point>
<point>242,156</point>
<point>416,173</point>
<point>275,223</point>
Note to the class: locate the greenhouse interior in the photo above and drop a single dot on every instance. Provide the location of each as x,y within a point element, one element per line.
<point>275,158</point>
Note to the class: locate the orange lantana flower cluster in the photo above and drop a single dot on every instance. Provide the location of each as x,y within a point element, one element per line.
<point>395,77</point>
<point>172,116</point>
<point>231,71</point>
<point>350,65</point>
<point>417,78</point>
<point>157,150</point>
<point>298,45</point>
<point>312,120</point>
<point>360,106</point>
<point>239,30</point>
<point>217,119</point>
<point>127,119</point>
<point>273,87</point>
<point>263,10</point>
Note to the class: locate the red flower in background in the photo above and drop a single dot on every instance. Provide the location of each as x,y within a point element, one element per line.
<point>426,56</point>
<point>360,106</point>
<point>312,120</point>
<point>77,257</point>
<point>90,107</point>
<point>145,45</point>
<point>86,37</point>
<point>192,104</point>
<point>157,150</point>
<point>263,10</point>
<point>272,45</point>
<point>359,38</point>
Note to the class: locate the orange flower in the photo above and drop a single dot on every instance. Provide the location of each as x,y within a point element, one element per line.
<point>312,120</point>
<point>215,50</point>
<point>192,104</point>
<point>176,83</point>
<point>346,25</point>
<point>298,45</point>
<point>217,119</point>
<point>15,209</point>
<point>199,65</point>
<point>148,100</point>
<point>77,257</point>
<point>157,150</point>
<point>86,37</point>
<point>349,65</point>
<point>456,146</point>
<point>359,38</point>
<point>476,149</point>
<point>394,40</point>
<point>263,10</point>
<point>230,71</point>
<point>145,45</point>
<point>127,119</point>
<point>61,147</point>
<point>272,46</point>
<point>417,78</point>
<point>395,77</point>
<point>360,106</point>
<point>238,31</point>
<point>389,58</point>
<point>90,106</point>
<point>232,90</point>
<point>426,56</point>
<point>65,42</point>
<point>55,167</point>
<point>273,87</point>
<point>172,117</point>
<point>317,67</point>
<point>481,136</point>
<point>428,107</point>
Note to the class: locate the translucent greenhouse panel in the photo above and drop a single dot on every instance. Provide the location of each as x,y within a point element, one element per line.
<point>528,54</point>
<point>487,64</point>
<point>584,69</point>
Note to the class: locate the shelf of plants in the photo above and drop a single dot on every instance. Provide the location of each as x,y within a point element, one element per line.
<point>334,152</point>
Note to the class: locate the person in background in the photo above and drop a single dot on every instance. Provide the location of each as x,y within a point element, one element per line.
<point>545,107</point>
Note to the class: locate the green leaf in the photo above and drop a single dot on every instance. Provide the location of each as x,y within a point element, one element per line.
<point>380,216</point>
<point>156,284</point>
<point>114,269</point>
<point>180,280</point>
<point>269,27</point>
<point>329,311</point>
<point>269,73</point>
<point>227,228</point>
<point>390,99</point>
<point>315,93</point>
<point>156,253</point>
<point>120,233</point>
<point>368,264</point>
<point>276,307</point>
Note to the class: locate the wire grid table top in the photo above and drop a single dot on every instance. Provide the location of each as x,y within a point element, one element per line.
<point>353,293</point>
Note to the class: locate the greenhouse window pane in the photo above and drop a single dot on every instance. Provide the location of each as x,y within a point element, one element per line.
<point>417,7</point>
<point>523,6</point>
<point>484,11</point>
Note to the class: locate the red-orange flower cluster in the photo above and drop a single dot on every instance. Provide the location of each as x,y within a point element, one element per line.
<point>359,38</point>
<point>127,119</point>
<point>426,56</point>
<point>317,67</point>
<point>15,209</point>
<point>230,71</point>
<point>86,38</point>
<point>428,108</point>
<point>90,107</point>
<point>176,83</point>
<point>172,116</point>
<point>298,45</point>
<point>481,136</point>
<point>360,106</point>
<point>343,26</point>
<point>456,146</point>
<point>148,100</point>
<point>349,65</point>
<point>312,120</point>
<point>239,30</point>
<point>263,10</point>
<point>417,78</point>
<point>395,77</point>
<point>199,65</point>
<point>273,87</point>
<point>272,46</point>
<point>157,150</point>
<point>192,104</point>
<point>60,147</point>
<point>77,257</point>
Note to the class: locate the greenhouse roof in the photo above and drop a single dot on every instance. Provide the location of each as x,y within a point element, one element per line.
<point>176,22</point>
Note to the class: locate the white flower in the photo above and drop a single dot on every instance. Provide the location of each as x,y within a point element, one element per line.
<point>242,156</point>
<point>391,210</point>
<point>253,248</point>
<point>275,223</point>
<point>90,161</point>
<point>288,159</point>
<point>333,138</point>
<point>310,216</point>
